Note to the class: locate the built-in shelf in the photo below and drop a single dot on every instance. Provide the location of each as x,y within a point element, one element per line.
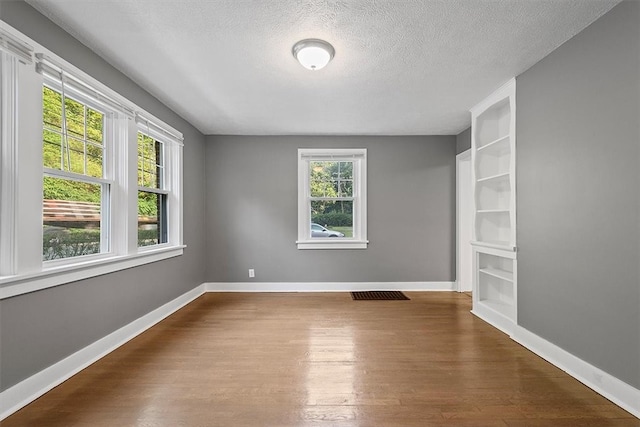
<point>494,246</point>
<point>500,274</point>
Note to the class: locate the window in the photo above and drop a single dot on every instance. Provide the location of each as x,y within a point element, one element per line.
<point>152,196</point>
<point>76,184</point>
<point>89,183</point>
<point>332,199</point>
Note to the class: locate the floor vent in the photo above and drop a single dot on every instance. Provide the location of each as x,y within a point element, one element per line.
<point>378,296</point>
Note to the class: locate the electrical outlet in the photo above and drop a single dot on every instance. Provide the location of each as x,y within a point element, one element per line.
<point>252,273</point>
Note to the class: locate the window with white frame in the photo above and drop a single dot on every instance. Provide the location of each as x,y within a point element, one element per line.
<point>159,180</point>
<point>332,206</point>
<point>89,183</point>
<point>77,178</point>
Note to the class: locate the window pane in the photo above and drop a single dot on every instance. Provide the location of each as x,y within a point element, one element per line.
<point>52,149</point>
<point>52,109</point>
<point>150,162</point>
<point>95,126</point>
<point>152,217</point>
<point>71,218</point>
<point>75,114</point>
<point>331,179</point>
<point>334,217</point>
<point>74,159</point>
<point>321,181</point>
<point>346,189</point>
<point>80,150</point>
<point>346,170</point>
<point>94,159</point>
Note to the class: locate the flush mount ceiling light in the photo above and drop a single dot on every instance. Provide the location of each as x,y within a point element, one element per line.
<point>313,54</point>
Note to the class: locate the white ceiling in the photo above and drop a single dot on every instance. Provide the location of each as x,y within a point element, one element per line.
<point>402,67</point>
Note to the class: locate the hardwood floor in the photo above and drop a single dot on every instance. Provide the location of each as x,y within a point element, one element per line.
<point>321,359</point>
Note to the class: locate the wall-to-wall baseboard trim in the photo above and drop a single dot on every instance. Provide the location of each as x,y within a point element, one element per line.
<point>25,392</point>
<point>28,390</point>
<point>327,286</point>
<point>617,391</point>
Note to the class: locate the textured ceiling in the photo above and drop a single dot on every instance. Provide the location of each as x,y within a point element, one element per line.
<point>402,67</point>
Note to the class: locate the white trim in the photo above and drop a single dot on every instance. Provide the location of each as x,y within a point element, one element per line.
<point>504,91</point>
<point>617,391</point>
<point>493,317</point>
<point>17,285</point>
<point>359,197</point>
<point>38,384</point>
<point>327,286</point>
<point>25,392</point>
<point>156,128</point>
<point>460,157</point>
<point>15,46</point>
<point>60,72</point>
<point>9,161</point>
<point>333,243</point>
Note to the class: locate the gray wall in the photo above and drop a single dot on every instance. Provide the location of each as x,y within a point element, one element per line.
<point>578,175</point>
<point>463,141</point>
<point>252,211</point>
<point>41,328</point>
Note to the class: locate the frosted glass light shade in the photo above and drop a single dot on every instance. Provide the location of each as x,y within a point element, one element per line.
<point>313,54</point>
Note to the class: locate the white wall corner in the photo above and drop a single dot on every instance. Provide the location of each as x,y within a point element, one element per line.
<point>28,390</point>
<point>617,391</point>
<point>327,286</point>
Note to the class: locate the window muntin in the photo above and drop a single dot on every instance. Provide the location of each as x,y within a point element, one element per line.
<point>75,194</point>
<point>331,198</point>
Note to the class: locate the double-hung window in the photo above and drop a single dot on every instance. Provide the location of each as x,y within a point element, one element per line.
<point>159,166</point>
<point>78,177</point>
<point>332,206</point>
<point>89,182</point>
<point>152,196</point>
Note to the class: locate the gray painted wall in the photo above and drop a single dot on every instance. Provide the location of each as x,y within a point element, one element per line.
<point>578,175</point>
<point>252,211</point>
<point>463,141</point>
<point>41,328</point>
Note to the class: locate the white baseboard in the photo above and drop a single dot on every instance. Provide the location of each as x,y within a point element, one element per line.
<point>617,391</point>
<point>38,384</point>
<point>327,286</point>
<point>23,393</point>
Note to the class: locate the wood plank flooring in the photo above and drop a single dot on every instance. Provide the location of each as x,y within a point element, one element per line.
<point>322,359</point>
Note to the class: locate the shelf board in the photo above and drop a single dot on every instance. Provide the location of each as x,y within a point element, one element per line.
<point>500,274</point>
<point>496,144</point>
<point>485,211</point>
<point>495,244</point>
<point>503,175</point>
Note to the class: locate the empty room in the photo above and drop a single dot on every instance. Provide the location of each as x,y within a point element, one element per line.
<point>319,213</point>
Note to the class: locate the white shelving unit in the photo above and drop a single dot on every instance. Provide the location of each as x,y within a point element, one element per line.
<point>494,225</point>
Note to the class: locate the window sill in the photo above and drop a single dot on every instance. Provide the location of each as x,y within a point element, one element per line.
<point>332,244</point>
<point>11,286</point>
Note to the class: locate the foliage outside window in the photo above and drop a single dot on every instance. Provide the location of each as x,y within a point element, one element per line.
<point>73,154</point>
<point>332,199</point>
